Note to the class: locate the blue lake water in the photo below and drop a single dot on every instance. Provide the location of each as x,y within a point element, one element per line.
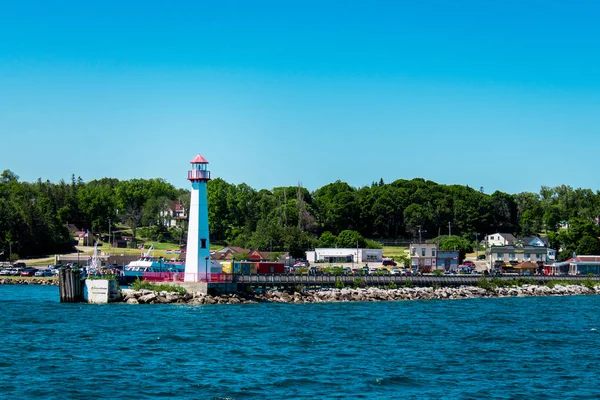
<point>510,348</point>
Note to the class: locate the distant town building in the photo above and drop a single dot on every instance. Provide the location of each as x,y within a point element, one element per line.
<point>500,239</point>
<point>324,255</point>
<point>515,254</point>
<point>174,214</point>
<point>423,256</point>
<point>448,260</point>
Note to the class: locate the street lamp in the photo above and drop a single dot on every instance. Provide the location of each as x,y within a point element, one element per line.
<point>206,268</point>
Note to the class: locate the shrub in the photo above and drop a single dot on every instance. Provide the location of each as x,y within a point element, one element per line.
<point>438,272</point>
<point>358,283</point>
<point>485,284</point>
<point>298,289</point>
<point>408,283</point>
<point>339,284</point>
<point>164,287</point>
<point>392,285</point>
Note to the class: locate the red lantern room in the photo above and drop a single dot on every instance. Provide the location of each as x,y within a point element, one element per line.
<point>199,171</point>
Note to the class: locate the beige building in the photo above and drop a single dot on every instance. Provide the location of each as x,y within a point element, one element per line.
<point>423,256</point>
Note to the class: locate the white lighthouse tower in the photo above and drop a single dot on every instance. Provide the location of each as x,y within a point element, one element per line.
<point>197,260</point>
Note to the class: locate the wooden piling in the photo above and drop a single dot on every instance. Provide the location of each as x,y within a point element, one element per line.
<point>70,286</point>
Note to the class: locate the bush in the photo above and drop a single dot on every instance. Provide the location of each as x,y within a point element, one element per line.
<point>358,283</point>
<point>163,287</point>
<point>438,272</point>
<point>339,284</point>
<point>298,289</point>
<point>485,284</point>
<point>392,285</point>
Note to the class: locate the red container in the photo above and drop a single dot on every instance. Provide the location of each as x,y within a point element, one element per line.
<point>269,268</point>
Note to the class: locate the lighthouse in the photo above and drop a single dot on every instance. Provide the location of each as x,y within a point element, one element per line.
<point>197,260</point>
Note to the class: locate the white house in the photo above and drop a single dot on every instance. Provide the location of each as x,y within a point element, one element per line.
<point>500,239</point>
<point>344,255</point>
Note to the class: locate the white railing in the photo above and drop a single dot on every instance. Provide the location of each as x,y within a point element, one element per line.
<point>198,174</point>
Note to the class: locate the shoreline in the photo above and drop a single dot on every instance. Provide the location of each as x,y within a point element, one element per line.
<point>333,295</point>
<point>29,281</point>
<point>146,296</point>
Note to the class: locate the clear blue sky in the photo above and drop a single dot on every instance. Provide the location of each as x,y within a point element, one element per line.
<point>499,94</point>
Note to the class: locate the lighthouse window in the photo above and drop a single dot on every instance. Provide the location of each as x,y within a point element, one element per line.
<point>203,243</point>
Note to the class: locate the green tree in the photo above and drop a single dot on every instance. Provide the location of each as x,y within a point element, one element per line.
<point>350,239</point>
<point>588,245</point>
<point>327,240</point>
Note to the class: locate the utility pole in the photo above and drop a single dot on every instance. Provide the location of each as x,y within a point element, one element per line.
<point>476,246</point>
<point>110,244</point>
<point>449,228</point>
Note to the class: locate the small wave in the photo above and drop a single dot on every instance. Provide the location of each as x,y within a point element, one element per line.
<point>397,380</point>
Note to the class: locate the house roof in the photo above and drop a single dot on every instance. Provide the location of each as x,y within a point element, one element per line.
<point>73,229</point>
<point>199,160</point>
<point>584,259</point>
<point>510,238</point>
<point>233,249</point>
<point>175,205</point>
<point>529,239</point>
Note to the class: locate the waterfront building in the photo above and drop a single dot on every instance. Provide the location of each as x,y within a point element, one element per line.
<point>448,260</point>
<point>515,254</point>
<point>329,255</point>
<point>578,265</point>
<point>423,256</point>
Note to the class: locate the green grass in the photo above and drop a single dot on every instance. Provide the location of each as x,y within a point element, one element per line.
<point>394,251</point>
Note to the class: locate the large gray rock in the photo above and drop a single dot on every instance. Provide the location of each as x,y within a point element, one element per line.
<point>147,298</point>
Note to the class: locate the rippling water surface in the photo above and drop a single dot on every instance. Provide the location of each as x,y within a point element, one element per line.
<point>511,348</point>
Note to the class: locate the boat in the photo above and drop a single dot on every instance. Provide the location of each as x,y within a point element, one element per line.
<point>151,268</point>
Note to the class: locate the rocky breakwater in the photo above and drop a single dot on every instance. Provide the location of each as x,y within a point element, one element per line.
<point>29,281</point>
<point>146,296</point>
<point>347,295</point>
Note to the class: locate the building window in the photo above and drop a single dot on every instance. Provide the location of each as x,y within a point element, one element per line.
<point>203,243</point>
<point>432,252</point>
<point>527,255</point>
<point>413,251</point>
<point>499,256</point>
<point>511,256</point>
<point>422,251</point>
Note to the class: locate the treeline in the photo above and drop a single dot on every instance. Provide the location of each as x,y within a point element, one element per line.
<point>33,216</point>
<point>337,214</point>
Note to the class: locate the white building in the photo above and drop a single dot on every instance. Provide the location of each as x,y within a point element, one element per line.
<point>344,255</point>
<point>500,239</point>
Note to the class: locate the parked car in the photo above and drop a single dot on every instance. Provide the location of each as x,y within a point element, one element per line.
<point>468,263</point>
<point>389,263</point>
<point>44,272</point>
<point>28,271</point>
<point>395,271</point>
<point>481,257</point>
